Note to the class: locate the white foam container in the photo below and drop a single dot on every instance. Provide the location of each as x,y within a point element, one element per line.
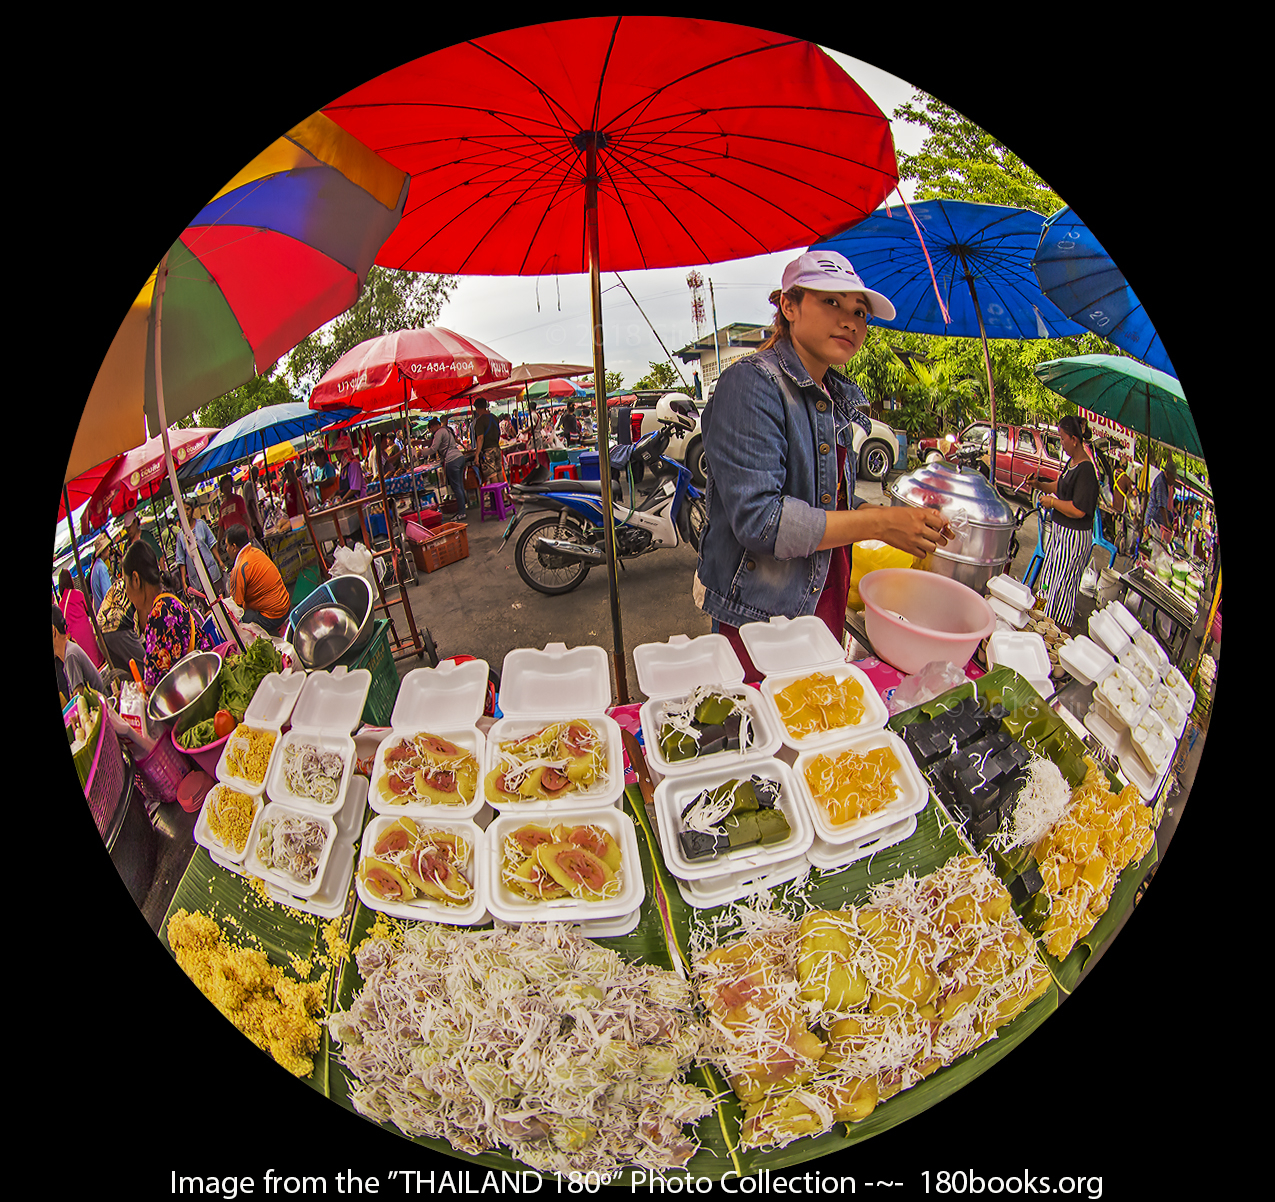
<point>1165,703</point>
<point>913,792</point>
<point>446,701</point>
<point>1181,690</point>
<point>832,857</point>
<point>674,793</point>
<point>736,886</point>
<point>1155,759</point>
<point>326,714</point>
<point>1016,618</point>
<point>1124,619</point>
<point>1026,654</point>
<point>203,831</point>
<point>1085,660</point>
<point>277,876</point>
<point>669,672</point>
<point>1150,647</point>
<point>533,685</point>
<point>786,650</point>
<point>1011,592</point>
<point>428,909</point>
<point>509,906</point>
<point>1135,661</point>
<point>270,709</point>
<point>1105,697</point>
<point>1107,632</point>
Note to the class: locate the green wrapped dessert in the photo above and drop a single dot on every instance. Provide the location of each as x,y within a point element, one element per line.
<point>707,722</point>
<point>738,813</point>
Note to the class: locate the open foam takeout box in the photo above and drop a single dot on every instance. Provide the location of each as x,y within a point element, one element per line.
<point>787,650</point>
<point>446,701</point>
<point>327,712</point>
<point>269,710</point>
<point>558,684</point>
<point>669,673</point>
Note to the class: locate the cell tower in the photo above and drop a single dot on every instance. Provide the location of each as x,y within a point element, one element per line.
<point>695,282</point>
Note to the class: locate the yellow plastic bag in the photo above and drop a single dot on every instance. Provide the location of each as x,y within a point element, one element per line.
<point>867,557</point>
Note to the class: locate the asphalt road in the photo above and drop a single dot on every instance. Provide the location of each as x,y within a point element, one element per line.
<point>480,606</point>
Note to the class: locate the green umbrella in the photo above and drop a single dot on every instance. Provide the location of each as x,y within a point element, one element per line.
<point>1128,392</point>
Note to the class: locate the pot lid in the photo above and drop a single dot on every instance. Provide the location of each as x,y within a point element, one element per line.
<point>954,491</point>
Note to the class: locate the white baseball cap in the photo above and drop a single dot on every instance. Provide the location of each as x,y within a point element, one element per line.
<point>828,271</point>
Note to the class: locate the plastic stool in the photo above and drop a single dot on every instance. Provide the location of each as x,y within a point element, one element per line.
<point>566,471</point>
<point>501,502</point>
<point>1099,541</point>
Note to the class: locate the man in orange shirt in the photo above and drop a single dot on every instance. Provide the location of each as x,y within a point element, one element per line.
<point>255,583</point>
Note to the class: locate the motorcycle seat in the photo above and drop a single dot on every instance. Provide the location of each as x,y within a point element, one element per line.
<point>557,486</point>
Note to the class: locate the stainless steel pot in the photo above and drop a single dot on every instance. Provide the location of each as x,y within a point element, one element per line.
<point>983,521</point>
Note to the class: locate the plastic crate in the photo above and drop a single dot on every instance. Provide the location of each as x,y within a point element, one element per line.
<point>448,544</point>
<point>376,658</point>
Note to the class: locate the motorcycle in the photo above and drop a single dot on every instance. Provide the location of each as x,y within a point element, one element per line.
<point>564,538</point>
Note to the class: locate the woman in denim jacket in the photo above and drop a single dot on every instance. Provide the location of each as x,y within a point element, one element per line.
<point>780,476</point>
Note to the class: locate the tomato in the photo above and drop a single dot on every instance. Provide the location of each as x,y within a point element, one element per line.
<point>224,723</point>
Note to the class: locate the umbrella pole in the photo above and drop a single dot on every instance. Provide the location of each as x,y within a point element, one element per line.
<point>987,360</point>
<point>75,551</point>
<point>599,395</point>
<point>198,558</point>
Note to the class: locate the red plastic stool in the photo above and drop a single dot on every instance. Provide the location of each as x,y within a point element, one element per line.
<point>495,500</point>
<point>566,471</point>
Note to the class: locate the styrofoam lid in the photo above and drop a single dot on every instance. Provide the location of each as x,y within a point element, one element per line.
<point>1024,652</point>
<point>1084,659</point>
<point>791,644</point>
<point>1012,592</point>
<point>332,700</point>
<point>448,697</point>
<point>273,702</point>
<point>683,664</point>
<point>539,682</point>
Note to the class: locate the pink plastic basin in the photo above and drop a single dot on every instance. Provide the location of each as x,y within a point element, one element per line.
<point>206,756</point>
<point>913,618</point>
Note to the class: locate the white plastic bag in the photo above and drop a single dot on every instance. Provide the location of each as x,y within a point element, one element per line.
<point>935,678</point>
<point>354,561</point>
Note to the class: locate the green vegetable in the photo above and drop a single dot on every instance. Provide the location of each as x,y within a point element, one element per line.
<point>199,735</point>
<point>241,674</point>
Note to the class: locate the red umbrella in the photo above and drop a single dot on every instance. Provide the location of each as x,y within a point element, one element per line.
<point>141,473</point>
<point>610,143</point>
<point>423,368</point>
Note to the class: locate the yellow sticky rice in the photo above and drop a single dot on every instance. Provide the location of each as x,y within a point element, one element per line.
<point>251,764</point>
<point>267,1005</point>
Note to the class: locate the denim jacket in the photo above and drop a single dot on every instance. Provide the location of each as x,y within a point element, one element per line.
<point>771,435</point>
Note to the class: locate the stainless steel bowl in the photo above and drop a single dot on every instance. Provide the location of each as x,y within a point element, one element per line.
<point>189,693</point>
<point>358,596</point>
<point>323,634</point>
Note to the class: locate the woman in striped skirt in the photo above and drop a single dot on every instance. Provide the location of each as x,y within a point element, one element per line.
<point>1071,518</point>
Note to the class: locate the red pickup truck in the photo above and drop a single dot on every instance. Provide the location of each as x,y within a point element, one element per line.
<point>1027,457</point>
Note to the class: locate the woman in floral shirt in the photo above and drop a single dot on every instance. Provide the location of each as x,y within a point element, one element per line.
<point>170,631</point>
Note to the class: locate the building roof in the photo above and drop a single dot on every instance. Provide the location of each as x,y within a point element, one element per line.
<point>738,333</point>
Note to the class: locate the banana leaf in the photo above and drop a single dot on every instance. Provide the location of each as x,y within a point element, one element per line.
<point>1055,739</point>
<point>250,920</point>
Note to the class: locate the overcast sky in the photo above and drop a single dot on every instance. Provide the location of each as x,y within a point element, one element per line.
<point>547,320</point>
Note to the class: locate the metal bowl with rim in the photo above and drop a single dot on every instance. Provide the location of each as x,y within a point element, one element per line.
<point>357,595</point>
<point>323,634</point>
<point>187,694</point>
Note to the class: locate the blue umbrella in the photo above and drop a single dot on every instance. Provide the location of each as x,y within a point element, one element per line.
<point>968,274</point>
<point>1083,281</point>
<point>258,431</point>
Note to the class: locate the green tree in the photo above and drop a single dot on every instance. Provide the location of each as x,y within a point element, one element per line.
<point>615,381</point>
<point>388,301</point>
<point>961,161</point>
<point>239,402</point>
<point>664,375</point>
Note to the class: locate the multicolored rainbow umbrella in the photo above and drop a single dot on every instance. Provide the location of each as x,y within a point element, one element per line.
<point>283,248</point>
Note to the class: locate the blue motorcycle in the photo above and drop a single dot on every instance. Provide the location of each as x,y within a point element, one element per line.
<point>563,536</point>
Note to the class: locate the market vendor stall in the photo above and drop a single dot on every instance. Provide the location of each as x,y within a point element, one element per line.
<point>667,852</point>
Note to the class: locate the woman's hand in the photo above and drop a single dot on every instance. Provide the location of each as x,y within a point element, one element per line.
<point>916,531</point>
